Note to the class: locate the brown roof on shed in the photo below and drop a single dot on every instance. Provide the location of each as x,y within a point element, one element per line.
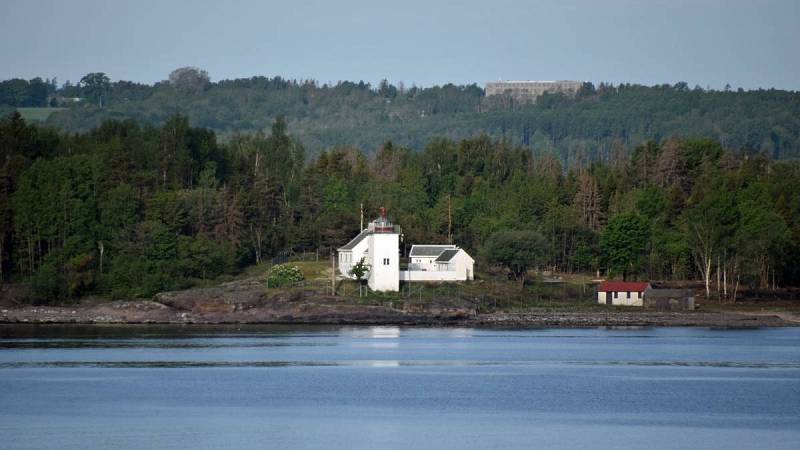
<point>623,286</point>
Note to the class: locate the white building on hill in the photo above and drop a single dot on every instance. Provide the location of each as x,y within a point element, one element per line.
<point>438,263</point>
<point>379,245</point>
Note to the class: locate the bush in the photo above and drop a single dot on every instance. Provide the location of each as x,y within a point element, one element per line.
<point>46,284</point>
<point>283,274</point>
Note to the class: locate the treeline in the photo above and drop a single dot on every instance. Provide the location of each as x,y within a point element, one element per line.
<point>126,210</point>
<point>601,123</point>
<point>26,93</point>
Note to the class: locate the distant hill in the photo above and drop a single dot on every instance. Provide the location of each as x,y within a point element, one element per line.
<point>594,124</point>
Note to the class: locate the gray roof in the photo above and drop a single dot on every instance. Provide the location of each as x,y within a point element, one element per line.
<point>355,240</point>
<point>669,293</point>
<point>429,250</point>
<point>447,255</point>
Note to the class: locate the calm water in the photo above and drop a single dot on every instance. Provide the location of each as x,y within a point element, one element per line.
<point>385,387</point>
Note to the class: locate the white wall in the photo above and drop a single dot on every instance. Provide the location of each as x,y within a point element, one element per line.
<point>460,268</point>
<point>427,275</point>
<point>636,298</point>
<point>384,247</point>
<point>348,258</point>
<point>422,263</point>
<point>464,265</point>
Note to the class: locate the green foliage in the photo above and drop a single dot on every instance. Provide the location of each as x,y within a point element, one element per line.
<point>591,125</point>
<point>359,270</point>
<point>517,251</point>
<point>624,242</point>
<point>125,211</point>
<point>46,283</point>
<point>18,92</point>
<point>336,195</point>
<point>283,274</point>
<point>201,257</point>
<point>96,86</point>
<point>761,234</point>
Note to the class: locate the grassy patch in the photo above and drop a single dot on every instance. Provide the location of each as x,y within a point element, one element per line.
<point>487,294</point>
<point>37,114</point>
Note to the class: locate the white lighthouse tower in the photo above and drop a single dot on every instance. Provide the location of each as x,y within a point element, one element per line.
<point>383,255</point>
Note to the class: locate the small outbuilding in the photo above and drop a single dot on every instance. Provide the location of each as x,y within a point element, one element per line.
<point>670,299</point>
<point>438,263</point>
<point>622,293</point>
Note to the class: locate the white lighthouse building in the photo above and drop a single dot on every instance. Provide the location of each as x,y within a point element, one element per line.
<point>379,246</point>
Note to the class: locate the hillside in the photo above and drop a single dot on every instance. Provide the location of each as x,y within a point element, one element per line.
<point>125,211</point>
<point>595,125</point>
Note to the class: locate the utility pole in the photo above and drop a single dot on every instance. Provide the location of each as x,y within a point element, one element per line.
<point>449,220</point>
<point>333,276</point>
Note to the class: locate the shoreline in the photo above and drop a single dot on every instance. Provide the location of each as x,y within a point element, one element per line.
<point>247,302</point>
<point>153,313</point>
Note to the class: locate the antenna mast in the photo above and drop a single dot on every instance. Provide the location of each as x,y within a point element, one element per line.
<point>449,220</point>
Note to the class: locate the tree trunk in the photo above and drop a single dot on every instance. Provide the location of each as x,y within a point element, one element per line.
<point>764,272</point>
<point>30,254</point>
<point>102,250</point>
<point>725,279</point>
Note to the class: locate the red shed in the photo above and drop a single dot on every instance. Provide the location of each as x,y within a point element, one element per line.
<point>622,293</point>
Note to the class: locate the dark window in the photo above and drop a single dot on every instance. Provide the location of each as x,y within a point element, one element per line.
<point>628,294</point>
<point>385,261</point>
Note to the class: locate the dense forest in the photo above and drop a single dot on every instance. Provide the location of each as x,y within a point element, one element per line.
<point>126,209</point>
<point>596,125</point>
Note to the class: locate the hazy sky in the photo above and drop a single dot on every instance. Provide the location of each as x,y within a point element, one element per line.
<point>748,44</point>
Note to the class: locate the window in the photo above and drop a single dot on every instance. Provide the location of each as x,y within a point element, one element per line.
<point>385,261</point>
<point>616,294</point>
<point>628,295</point>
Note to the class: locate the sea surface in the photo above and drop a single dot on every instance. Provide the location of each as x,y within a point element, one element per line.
<point>147,387</point>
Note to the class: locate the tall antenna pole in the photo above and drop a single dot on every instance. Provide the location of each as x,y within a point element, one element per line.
<point>333,275</point>
<point>362,219</point>
<point>449,221</point>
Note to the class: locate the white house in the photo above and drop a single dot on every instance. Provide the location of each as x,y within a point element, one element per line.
<point>379,245</point>
<point>438,263</point>
<point>422,257</point>
<point>622,293</point>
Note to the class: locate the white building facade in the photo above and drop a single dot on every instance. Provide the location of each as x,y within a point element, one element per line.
<point>621,293</point>
<point>379,246</point>
<point>438,263</point>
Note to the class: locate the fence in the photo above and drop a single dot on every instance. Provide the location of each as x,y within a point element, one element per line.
<point>289,255</point>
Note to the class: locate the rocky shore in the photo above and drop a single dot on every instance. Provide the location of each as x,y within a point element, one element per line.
<point>247,302</point>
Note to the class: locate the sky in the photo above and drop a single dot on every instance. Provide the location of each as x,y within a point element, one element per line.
<point>711,43</point>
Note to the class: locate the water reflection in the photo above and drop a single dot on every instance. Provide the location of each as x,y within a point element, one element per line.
<point>382,363</point>
<point>398,387</point>
<point>377,332</point>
